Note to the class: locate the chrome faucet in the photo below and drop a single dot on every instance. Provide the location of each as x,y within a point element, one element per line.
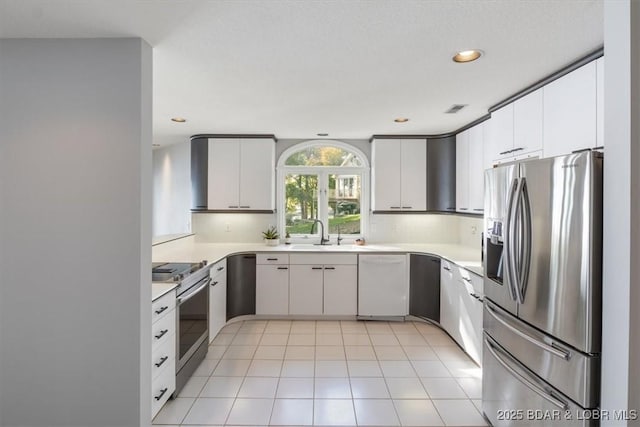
<point>339,239</point>
<point>323,241</point>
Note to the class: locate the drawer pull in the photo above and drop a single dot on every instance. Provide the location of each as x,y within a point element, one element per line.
<point>220,269</point>
<point>161,334</point>
<point>162,310</point>
<point>446,268</point>
<point>466,279</point>
<point>329,268</point>
<point>233,207</point>
<point>162,392</point>
<point>245,207</point>
<point>214,283</point>
<point>283,268</point>
<point>394,207</point>
<point>272,259</point>
<point>407,207</point>
<point>478,210</point>
<point>316,268</point>
<point>161,362</point>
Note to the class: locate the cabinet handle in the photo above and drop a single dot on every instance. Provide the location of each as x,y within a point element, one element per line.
<point>166,307</point>
<point>316,268</point>
<point>447,268</point>
<point>283,268</point>
<point>407,207</point>
<point>161,334</point>
<point>466,279</point>
<point>517,149</point>
<point>464,209</point>
<point>435,260</point>
<point>505,152</point>
<point>451,209</point>
<point>245,207</point>
<point>162,392</point>
<point>272,259</point>
<point>214,283</point>
<point>394,207</point>
<point>249,257</point>
<point>220,269</point>
<point>233,207</point>
<point>478,210</point>
<point>329,268</point>
<point>161,362</point>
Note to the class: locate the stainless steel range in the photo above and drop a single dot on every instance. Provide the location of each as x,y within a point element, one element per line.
<point>192,313</point>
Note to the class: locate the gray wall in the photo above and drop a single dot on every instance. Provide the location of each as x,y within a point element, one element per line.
<point>172,189</point>
<point>75,232</point>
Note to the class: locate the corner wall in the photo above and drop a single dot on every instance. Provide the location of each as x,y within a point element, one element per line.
<point>172,189</point>
<point>75,232</point>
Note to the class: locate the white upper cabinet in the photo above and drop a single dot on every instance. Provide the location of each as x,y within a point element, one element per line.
<point>476,169</point>
<point>241,174</point>
<point>570,112</point>
<point>600,102</point>
<point>499,129</point>
<point>462,171</point>
<point>399,174</point>
<point>527,123</point>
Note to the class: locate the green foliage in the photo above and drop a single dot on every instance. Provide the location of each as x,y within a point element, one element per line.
<point>271,233</point>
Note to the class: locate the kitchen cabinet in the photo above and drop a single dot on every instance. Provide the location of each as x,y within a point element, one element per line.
<point>163,350</point>
<point>383,288</point>
<point>272,284</point>
<point>241,174</point>
<point>424,286</point>
<point>441,174</point>
<point>199,175</point>
<point>461,308</point>
<point>217,298</point>
<point>470,170</point>
<point>323,284</point>
<point>570,112</point>
<point>399,174</point>
<point>241,285</point>
<point>499,134</point>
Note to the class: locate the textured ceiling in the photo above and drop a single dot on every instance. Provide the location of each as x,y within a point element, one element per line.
<point>347,68</point>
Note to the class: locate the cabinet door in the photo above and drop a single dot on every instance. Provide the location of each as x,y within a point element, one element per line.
<point>386,174</point>
<point>413,175</point>
<point>469,334</point>
<point>449,303</point>
<point>600,102</point>
<point>305,289</point>
<point>224,173</point>
<point>500,133</point>
<point>441,174</point>
<point>272,289</point>
<point>476,169</point>
<point>527,123</point>
<point>424,286</point>
<point>341,289</point>
<point>257,174</point>
<point>462,171</point>
<point>570,112</point>
<point>217,305</point>
<point>199,173</point>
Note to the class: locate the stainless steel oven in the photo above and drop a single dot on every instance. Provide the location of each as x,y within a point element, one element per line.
<point>192,314</point>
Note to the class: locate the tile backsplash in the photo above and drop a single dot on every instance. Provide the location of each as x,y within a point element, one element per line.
<point>231,227</point>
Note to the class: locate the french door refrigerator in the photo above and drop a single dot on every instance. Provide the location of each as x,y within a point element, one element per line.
<point>542,315</point>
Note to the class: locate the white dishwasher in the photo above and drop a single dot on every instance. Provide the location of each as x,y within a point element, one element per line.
<point>383,288</point>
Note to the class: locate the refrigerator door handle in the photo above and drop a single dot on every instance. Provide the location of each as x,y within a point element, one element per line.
<point>525,229</point>
<point>528,383</point>
<point>546,347</point>
<point>509,242</point>
<point>516,232</point>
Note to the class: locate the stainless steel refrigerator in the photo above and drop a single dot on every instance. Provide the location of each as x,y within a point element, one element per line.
<point>542,315</point>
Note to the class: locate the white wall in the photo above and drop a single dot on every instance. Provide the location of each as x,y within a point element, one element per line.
<point>172,189</point>
<point>621,294</point>
<point>231,227</point>
<point>75,232</point>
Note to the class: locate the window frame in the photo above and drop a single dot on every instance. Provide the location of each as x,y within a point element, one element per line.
<point>323,171</point>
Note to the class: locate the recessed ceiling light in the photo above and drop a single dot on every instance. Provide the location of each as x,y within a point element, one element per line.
<point>322,134</point>
<point>401,120</point>
<point>467,55</point>
<point>178,119</point>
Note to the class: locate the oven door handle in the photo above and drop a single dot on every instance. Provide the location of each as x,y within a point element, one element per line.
<point>192,294</point>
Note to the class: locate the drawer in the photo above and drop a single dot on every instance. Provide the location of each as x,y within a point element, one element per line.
<point>472,282</point>
<point>324,259</point>
<point>163,355</point>
<point>278,259</point>
<point>163,329</point>
<point>163,386</point>
<point>162,306</point>
<point>219,268</point>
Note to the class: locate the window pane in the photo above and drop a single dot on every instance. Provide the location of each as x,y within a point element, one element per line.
<point>301,203</point>
<point>323,156</point>
<point>344,203</point>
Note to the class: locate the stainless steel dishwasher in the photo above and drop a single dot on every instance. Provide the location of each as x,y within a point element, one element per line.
<point>241,285</point>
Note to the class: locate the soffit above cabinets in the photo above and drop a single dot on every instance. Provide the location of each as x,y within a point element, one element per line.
<point>294,69</point>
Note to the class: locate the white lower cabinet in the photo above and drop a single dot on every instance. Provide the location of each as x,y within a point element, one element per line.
<point>163,350</point>
<point>272,289</point>
<point>341,290</point>
<point>306,289</point>
<point>461,308</point>
<point>217,298</point>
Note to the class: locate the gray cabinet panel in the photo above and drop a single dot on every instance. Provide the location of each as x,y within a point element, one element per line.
<point>424,287</point>
<point>199,173</point>
<point>241,285</point>
<point>441,174</point>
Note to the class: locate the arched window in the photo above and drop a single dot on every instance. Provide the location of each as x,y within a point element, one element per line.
<point>323,180</point>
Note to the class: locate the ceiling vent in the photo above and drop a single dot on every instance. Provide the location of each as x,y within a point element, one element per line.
<point>455,108</point>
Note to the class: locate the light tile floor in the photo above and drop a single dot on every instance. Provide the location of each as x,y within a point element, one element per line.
<point>330,373</point>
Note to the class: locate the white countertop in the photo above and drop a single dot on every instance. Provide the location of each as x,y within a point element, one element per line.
<point>159,289</point>
<point>187,250</point>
